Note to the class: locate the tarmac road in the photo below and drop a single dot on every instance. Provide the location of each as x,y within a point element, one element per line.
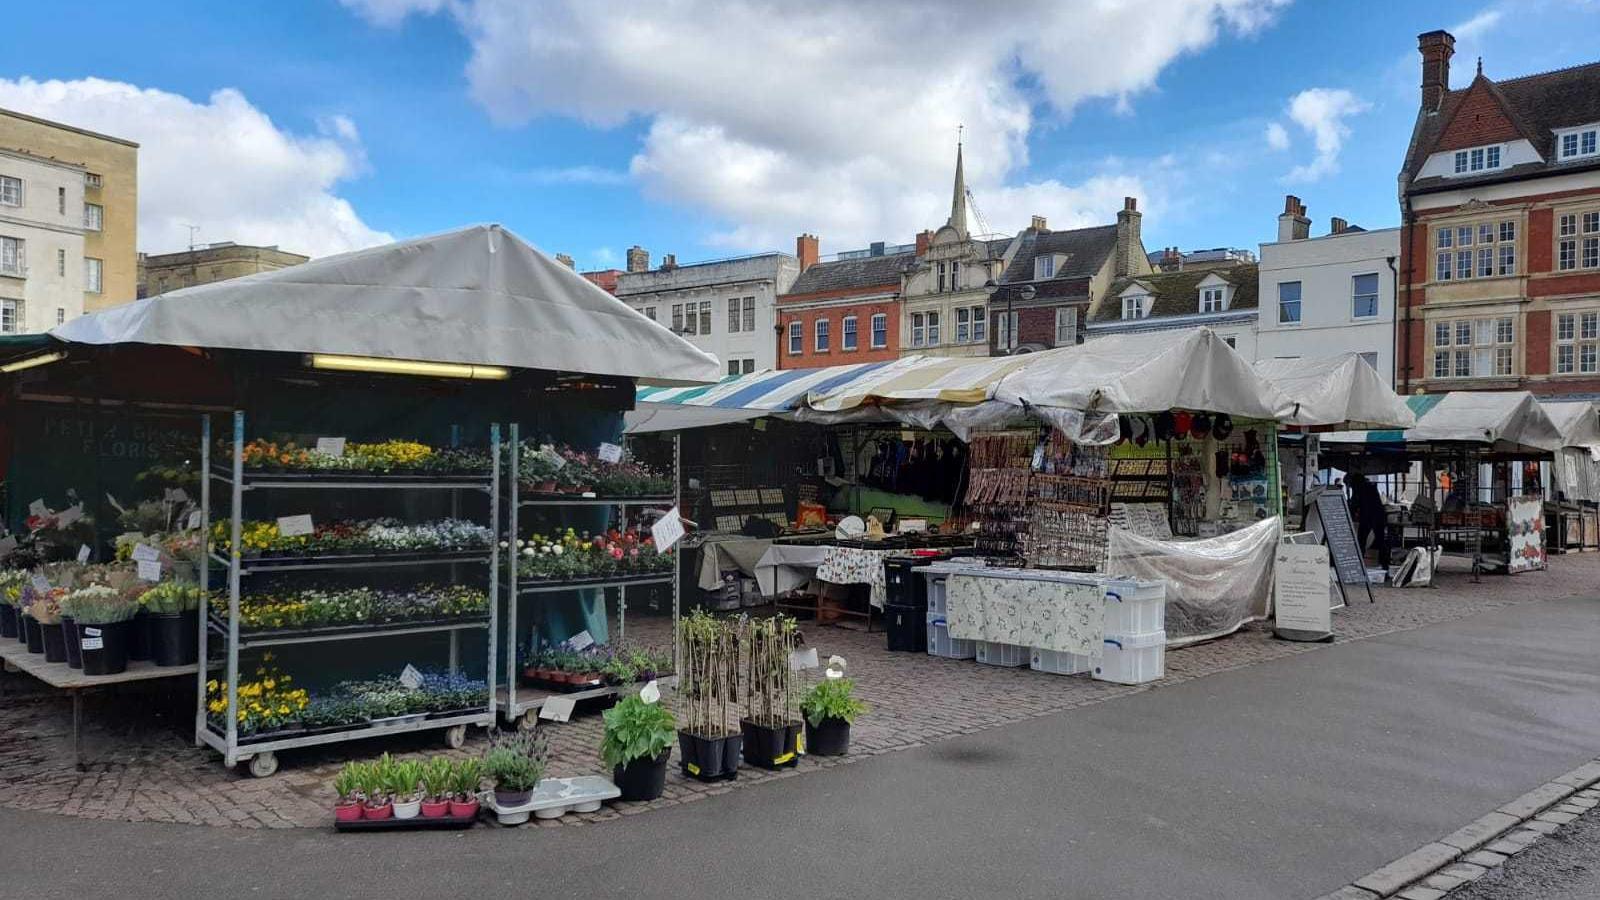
<point>1276,781</point>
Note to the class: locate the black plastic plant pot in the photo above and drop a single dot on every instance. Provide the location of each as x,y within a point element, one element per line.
<point>31,635</point>
<point>643,778</point>
<point>710,758</point>
<point>104,648</point>
<point>174,638</point>
<point>55,648</point>
<point>831,738</point>
<point>771,747</point>
<point>138,631</point>
<point>8,621</point>
<point>69,638</point>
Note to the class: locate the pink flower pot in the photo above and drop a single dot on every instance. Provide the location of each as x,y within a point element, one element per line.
<point>462,809</point>
<point>377,812</point>
<point>435,809</point>
<point>347,812</point>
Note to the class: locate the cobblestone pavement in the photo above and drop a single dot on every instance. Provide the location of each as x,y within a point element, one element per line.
<point>145,768</point>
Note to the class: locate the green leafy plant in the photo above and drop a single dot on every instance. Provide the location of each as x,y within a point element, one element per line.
<point>98,604</point>
<point>438,778</point>
<point>171,598</point>
<point>404,779</point>
<point>375,780</point>
<point>348,783</point>
<point>466,776</point>
<point>768,643</point>
<point>636,730</point>
<point>516,760</point>
<point>832,698</point>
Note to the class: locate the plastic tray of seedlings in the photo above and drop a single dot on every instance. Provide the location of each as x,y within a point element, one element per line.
<point>415,823</point>
<point>554,798</point>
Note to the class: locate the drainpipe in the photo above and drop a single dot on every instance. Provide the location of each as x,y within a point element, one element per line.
<point>1394,322</point>
<point>1409,222</point>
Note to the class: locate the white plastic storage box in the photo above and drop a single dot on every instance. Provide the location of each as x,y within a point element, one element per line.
<point>1058,663</point>
<point>1133,658</point>
<point>941,644</point>
<point>936,594</point>
<point>1012,656</point>
<point>1135,607</point>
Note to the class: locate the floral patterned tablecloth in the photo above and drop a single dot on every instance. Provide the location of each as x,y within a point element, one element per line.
<point>1029,609</point>
<point>850,565</point>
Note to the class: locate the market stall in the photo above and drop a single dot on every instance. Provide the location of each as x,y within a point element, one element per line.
<point>1572,506</point>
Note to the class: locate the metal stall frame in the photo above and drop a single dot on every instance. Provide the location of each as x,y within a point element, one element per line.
<point>262,755</point>
<point>524,710</point>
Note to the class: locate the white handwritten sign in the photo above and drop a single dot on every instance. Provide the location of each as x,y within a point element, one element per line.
<point>37,508</point>
<point>667,530</point>
<point>609,453</point>
<point>7,544</point>
<point>175,495</point>
<point>83,553</point>
<point>557,709</point>
<point>410,678</point>
<point>69,515</point>
<point>332,446</point>
<point>145,553</point>
<point>149,570</point>
<point>92,639</point>
<point>194,520</point>
<point>295,526</point>
<point>1300,588</point>
<point>580,641</point>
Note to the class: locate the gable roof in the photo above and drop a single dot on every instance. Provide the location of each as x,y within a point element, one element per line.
<point>1086,250</point>
<point>852,274</point>
<point>1535,105</point>
<point>1178,293</point>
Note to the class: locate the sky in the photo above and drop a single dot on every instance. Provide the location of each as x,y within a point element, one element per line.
<point>714,129</point>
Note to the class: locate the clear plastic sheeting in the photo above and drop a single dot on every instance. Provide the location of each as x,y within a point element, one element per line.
<point>1214,585</point>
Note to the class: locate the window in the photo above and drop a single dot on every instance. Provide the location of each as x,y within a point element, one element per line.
<point>749,366</point>
<point>91,274</point>
<point>750,314</point>
<point>733,315</point>
<point>1288,302</point>
<point>1577,342</point>
<point>1591,252</point>
<point>10,316</point>
<point>1044,267</point>
<point>1370,358</point>
<point>1364,296</point>
<point>1230,341</point>
<point>918,330</point>
<point>1483,250</point>
<point>733,367</point>
<point>847,333</point>
<point>1133,307</point>
<point>1485,262</point>
<point>93,216</point>
<point>691,320</point>
<point>61,263</point>
<point>650,313</point>
<point>880,330</point>
<point>12,256</point>
<point>1006,330</point>
<point>61,200</point>
<point>955,276</point>
<point>1461,161</point>
<point>61,315</point>
<point>705,316</point>
<point>980,325</point>
<point>91,180</point>
<point>1066,326</point>
<point>794,338</point>
<point>1567,255</point>
<point>1211,300</point>
<point>1463,264</point>
<point>1578,143</point>
<point>821,335</point>
<point>941,278</point>
<point>677,317</point>
<point>963,325</point>
<point>10,191</point>
<point>933,329</point>
<point>970,322</point>
<point>1477,159</point>
<point>1475,348</point>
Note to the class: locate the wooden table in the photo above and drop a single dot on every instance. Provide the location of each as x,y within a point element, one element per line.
<point>63,677</point>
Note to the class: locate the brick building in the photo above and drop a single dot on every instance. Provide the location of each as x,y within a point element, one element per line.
<point>842,310</point>
<point>1500,234</point>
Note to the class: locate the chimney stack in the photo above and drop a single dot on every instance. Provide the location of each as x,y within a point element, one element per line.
<point>924,240</point>
<point>638,259</point>
<point>1040,225</point>
<point>805,250</point>
<point>566,260</point>
<point>1171,260</point>
<point>1436,48</point>
<point>1292,222</point>
<point>1129,244</point>
<point>669,262</point>
<point>1337,225</point>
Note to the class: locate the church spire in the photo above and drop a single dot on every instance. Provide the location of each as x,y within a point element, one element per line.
<point>958,200</point>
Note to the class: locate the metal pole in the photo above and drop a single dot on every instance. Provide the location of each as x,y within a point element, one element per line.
<point>513,596</point>
<point>234,558</point>
<point>494,565</point>
<point>677,555</point>
<point>201,671</point>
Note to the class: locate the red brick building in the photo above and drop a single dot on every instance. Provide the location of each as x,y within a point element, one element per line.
<point>1500,239</point>
<point>844,310</point>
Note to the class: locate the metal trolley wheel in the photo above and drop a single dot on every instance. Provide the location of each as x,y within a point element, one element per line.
<point>455,737</point>
<point>263,765</point>
<point>528,721</point>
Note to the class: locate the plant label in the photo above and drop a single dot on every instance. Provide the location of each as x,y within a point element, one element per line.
<point>83,553</point>
<point>92,639</point>
<point>175,495</point>
<point>7,544</point>
<point>667,530</point>
<point>149,570</point>
<point>40,583</point>
<point>557,709</point>
<point>145,553</point>
<point>610,453</point>
<point>69,515</point>
<point>295,526</point>
<point>332,446</point>
<point>580,641</point>
<point>194,520</point>
<point>114,504</point>
<point>759,424</point>
<point>37,508</point>
<point>803,659</point>
<point>650,693</point>
<point>410,678</point>
<point>549,455</point>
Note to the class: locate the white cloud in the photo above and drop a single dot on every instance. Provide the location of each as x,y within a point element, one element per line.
<point>1277,136</point>
<point>1321,113</point>
<point>1477,26</point>
<point>390,13</point>
<point>594,175</point>
<point>222,165</point>
<point>834,116</point>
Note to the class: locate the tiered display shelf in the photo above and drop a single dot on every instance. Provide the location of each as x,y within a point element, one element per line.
<point>260,750</point>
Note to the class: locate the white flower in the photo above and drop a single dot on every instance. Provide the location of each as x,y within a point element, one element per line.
<point>528,551</point>
<point>505,544</point>
<point>558,550</point>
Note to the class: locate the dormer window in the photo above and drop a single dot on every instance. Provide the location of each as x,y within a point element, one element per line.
<point>1477,159</point>
<point>1133,306</point>
<point>1211,300</point>
<point>1577,143</point>
<point>1044,267</point>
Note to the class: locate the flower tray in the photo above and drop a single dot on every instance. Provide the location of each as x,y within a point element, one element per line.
<point>357,628</point>
<point>322,559</point>
<point>367,476</point>
<point>562,687</point>
<point>536,496</point>
<point>417,823</point>
<point>533,581</point>
<point>554,798</point>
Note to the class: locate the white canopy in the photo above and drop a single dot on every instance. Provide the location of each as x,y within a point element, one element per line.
<point>480,296</point>
<point>1505,421</point>
<point>1576,420</point>
<point>1337,390</point>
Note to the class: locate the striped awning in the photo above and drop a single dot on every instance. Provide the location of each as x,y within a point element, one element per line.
<point>947,379</point>
<point>781,390</point>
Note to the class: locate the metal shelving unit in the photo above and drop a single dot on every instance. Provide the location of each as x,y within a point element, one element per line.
<point>262,754</point>
<point>522,706</point>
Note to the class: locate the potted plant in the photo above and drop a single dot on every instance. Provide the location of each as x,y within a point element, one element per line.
<point>375,787</point>
<point>405,786</point>
<point>46,611</point>
<point>101,614</point>
<point>30,634</point>
<point>772,729</point>
<point>11,581</point>
<point>637,745</point>
<point>437,785</point>
<point>708,688</point>
<point>466,776</point>
<point>515,762</point>
<point>174,627</point>
<point>829,709</point>
<point>347,784</point>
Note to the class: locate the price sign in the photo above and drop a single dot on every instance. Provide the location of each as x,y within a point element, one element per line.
<point>557,709</point>
<point>145,553</point>
<point>83,553</point>
<point>803,659</point>
<point>194,520</point>
<point>7,544</point>
<point>580,641</point>
<point>609,453</point>
<point>40,583</point>
<point>1300,590</point>
<point>667,530</point>
<point>149,570</point>
<point>332,446</point>
<point>92,639</point>
<point>37,508</point>
<point>410,678</point>
<point>295,526</point>
<point>69,515</point>
<point>175,495</point>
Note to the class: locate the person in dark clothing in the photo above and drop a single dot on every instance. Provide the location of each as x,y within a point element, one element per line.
<point>1371,518</point>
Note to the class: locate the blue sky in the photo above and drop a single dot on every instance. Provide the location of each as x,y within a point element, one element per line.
<point>707,130</point>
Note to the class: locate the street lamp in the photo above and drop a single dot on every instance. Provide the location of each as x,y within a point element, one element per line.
<point>1027,292</point>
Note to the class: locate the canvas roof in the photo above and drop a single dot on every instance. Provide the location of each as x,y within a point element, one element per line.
<point>479,295</point>
<point>1577,420</point>
<point>1503,421</point>
<point>1338,390</point>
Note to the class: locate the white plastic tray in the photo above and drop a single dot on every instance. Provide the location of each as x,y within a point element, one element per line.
<point>555,797</point>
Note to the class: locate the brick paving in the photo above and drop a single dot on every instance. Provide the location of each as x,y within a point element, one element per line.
<point>145,768</point>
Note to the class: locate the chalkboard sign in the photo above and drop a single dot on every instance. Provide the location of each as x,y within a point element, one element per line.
<point>1340,534</point>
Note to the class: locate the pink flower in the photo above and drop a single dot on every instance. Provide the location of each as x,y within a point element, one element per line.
<point>616,552</point>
